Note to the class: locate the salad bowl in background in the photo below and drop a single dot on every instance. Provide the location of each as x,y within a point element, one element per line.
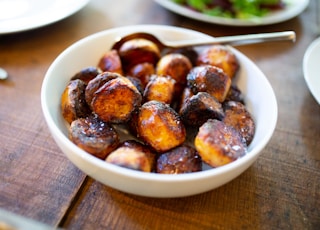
<point>292,9</point>
<point>259,97</point>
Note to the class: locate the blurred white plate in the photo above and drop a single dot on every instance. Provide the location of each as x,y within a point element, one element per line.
<point>311,67</point>
<point>22,15</point>
<point>293,8</point>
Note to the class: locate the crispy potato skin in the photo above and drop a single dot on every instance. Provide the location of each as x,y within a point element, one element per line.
<point>160,88</point>
<point>111,62</point>
<point>199,108</point>
<point>219,144</point>
<point>137,83</point>
<point>143,71</point>
<point>188,52</point>
<point>87,74</point>
<point>182,159</point>
<point>94,136</point>
<point>209,79</point>
<point>176,66</point>
<point>138,51</point>
<point>237,116</point>
<point>133,155</point>
<point>116,100</point>
<point>73,104</point>
<point>222,57</point>
<point>96,83</point>
<point>160,126</point>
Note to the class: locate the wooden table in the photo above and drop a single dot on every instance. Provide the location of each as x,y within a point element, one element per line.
<point>280,191</point>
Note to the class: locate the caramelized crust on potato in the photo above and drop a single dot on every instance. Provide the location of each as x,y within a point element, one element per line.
<point>199,108</point>
<point>143,71</point>
<point>189,52</point>
<point>137,83</point>
<point>182,159</point>
<point>219,144</point>
<point>133,155</point>
<point>160,88</point>
<point>94,136</point>
<point>185,96</point>
<point>160,126</point>
<point>209,79</point>
<point>73,104</point>
<point>96,83</point>
<point>111,62</point>
<point>87,74</point>
<point>220,56</point>
<point>116,100</point>
<point>138,51</point>
<point>237,116</point>
<point>176,66</point>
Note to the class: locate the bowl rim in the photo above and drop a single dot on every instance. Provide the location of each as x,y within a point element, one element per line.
<point>250,156</point>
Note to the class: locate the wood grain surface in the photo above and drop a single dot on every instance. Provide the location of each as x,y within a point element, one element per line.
<point>281,190</point>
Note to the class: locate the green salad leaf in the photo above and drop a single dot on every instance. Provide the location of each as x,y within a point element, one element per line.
<point>243,9</point>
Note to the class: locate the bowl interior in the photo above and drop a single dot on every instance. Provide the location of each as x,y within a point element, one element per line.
<point>259,97</point>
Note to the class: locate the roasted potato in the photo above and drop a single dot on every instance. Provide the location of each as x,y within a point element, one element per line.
<point>116,100</point>
<point>222,57</point>
<point>133,155</point>
<point>199,108</point>
<point>237,116</point>
<point>189,52</point>
<point>185,96</point>
<point>160,88</point>
<point>111,62</point>
<point>159,126</point>
<point>143,71</point>
<point>94,136</point>
<point>137,83</point>
<point>219,144</point>
<point>176,66</point>
<point>137,51</point>
<point>209,79</point>
<point>87,74</point>
<point>96,83</point>
<point>182,159</point>
<point>73,103</point>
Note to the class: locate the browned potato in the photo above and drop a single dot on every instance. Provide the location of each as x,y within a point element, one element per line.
<point>199,108</point>
<point>87,74</point>
<point>182,159</point>
<point>160,88</point>
<point>143,71</point>
<point>189,52</point>
<point>111,62</point>
<point>137,83</point>
<point>220,56</point>
<point>185,96</point>
<point>94,136</point>
<point>96,83</point>
<point>176,66</point>
<point>116,100</point>
<point>219,144</point>
<point>160,126</point>
<point>137,51</point>
<point>133,155</point>
<point>73,104</point>
<point>237,116</point>
<point>209,79</point>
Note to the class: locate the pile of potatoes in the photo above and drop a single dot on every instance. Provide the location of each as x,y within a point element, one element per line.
<point>181,108</point>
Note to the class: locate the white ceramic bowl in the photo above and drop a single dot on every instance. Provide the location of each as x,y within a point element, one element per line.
<point>259,97</point>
